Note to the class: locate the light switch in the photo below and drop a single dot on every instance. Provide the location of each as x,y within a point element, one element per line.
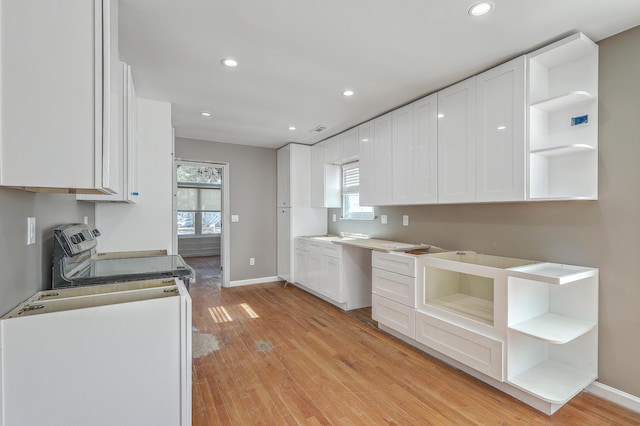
<point>235,218</point>
<point>31,231</point>
<point>405,220</point>
<point>334,217</point>
<point>383,219</point>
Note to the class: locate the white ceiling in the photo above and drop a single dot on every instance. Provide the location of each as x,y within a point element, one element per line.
<point>297,56</point>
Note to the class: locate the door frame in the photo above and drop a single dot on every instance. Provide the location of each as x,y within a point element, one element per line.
<point>225,239</point>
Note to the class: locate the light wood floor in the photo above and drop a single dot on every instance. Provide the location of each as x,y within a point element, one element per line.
<point>271,355</point>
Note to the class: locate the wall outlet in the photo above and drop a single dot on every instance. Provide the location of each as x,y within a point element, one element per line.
<point>383,219</point>
<point>235,218</point>
<point>405,220</point>
<point>252,261</point>
<point>86,220</point>
<point>31,231</point>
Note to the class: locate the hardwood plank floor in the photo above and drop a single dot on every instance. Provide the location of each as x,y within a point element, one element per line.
<point>267,354</point>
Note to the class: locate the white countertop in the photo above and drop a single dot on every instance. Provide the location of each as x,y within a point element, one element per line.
<point>368,243</point>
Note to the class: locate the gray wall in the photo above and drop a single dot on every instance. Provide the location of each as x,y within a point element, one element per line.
<point>27,269</point>
<point>252,191</point>
<point>604,233</point>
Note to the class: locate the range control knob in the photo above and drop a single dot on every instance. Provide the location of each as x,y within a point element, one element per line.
<point>75,239</point>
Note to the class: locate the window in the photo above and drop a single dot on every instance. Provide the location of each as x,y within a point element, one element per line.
<point>351,208</point>
<point>199,200</point>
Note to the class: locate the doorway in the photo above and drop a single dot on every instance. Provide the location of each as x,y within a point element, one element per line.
<point>200,214</point>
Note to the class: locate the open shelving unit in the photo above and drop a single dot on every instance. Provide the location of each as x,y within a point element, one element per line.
<point>552,330</point>
<point>562,93</point>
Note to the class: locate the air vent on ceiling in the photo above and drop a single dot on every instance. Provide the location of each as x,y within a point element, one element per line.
<point>318,129</point>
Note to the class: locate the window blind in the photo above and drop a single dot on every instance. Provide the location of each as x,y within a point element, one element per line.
<point>350,178</point>
<point>199,199</point>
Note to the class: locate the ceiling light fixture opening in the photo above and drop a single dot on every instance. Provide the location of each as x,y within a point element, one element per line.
<point>292,127</point>
<point>481,8</point>
<point>205,114</point>
<point>348,93</point>
<point>230,62</point>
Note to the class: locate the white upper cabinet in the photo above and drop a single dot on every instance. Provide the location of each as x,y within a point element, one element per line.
<point>375,161</point>
<point>60,129</point>
<point>350,147</point>
<point>127,115</point>
<point>283,188</point>
<point>402,155</point>
<point>457,142</point>
<point>325,179</point>
<point>367,163</point>
<point>342,148</point>
<point>425,150</point>
<point>563,120</point>
<point>500,142</point>
<point>333,152</point>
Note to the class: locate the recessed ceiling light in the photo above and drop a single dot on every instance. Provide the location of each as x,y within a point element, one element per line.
<point>502,127</point>
<point>230,62</point>
<point>481,8</point>
<point>440,115</point>
<point>205,114</point>
<point>348,93</point>
<point>292,127</point>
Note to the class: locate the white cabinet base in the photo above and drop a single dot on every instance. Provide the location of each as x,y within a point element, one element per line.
<point>540,405</point>
<point>394,315</point>
<point>480,352</point>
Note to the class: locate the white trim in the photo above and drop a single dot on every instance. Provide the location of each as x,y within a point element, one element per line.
<point>238,283</point>
<point>225,244</point>
<point>614,395</point>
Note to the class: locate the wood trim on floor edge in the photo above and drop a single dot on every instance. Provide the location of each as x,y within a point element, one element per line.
<point>614,395</point>
<point>262,280</point>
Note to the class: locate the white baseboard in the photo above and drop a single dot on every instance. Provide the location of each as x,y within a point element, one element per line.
<point>614,395</point>
<point>262,280</point>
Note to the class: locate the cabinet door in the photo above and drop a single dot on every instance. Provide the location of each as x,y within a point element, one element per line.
<point>317,175</point>
<point>500,172</point>
<point>127,167</point>
<point>284,244</point>
<point>402,155</point>
<point>284,176</point>
<point>325,180</point>
<point>367,163</point>
<point>425,150</point>
<point>314,271</point>
<point>332,278</point>
<point>333,154</point>
<point>350,147</point>
<point>301,261</point>
<point>457,142</point>
<point>382,169</point>
<point>52,95</point>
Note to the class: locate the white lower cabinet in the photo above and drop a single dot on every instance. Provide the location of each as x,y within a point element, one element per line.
<point>393,282</point>
<point>525,327</point>
<point>482,353</point>
<point>394,315</point>
<point>332,278</point>
<point>334,272</point>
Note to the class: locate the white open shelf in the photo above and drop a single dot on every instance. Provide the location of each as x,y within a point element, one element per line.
<point>563,149</point>
<point>552,273</point>
<point>552,381</point>
<point>554,328</point>
<point>564,101</point>
<point>469,306</point>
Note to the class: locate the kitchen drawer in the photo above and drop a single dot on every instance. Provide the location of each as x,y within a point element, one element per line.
<point>394,262</point>
<point>479,352</point>
<point>315,246</point>
<point>397,287</point>
<point>394,315</point>
<point>332,250</point>
<point>301,243</point>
